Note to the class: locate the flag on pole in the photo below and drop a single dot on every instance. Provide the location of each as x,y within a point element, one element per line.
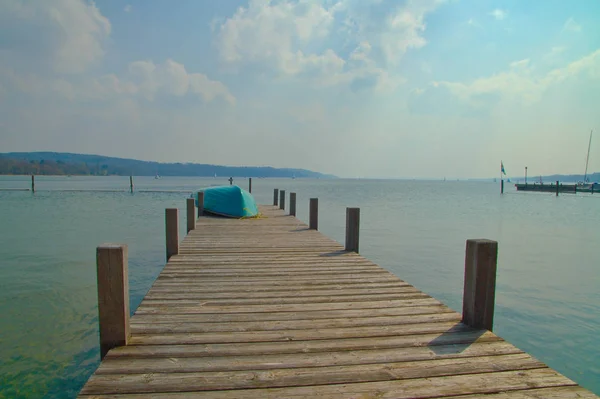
<point>502,168</point>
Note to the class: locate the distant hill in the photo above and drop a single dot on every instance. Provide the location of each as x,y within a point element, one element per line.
<point>60,163</point>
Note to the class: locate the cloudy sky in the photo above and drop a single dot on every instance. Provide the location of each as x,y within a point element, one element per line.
<point>368,88</point>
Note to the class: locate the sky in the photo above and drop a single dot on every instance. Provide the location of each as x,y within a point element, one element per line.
<point>356,88</point>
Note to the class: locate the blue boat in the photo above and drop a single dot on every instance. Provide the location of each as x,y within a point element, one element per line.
<point>230,201</point>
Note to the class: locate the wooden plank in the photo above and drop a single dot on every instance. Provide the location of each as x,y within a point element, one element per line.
<point>166,381</point>
<point>150,301</point>
<point>141,364</point>
<point>485,382</point>
<point>188,345</point>
<point>161,293</point>
<point>300,315</point>
<point>555,392</point>
<point>200,308</point>
<point>180,335</point>
<point>141,327</point>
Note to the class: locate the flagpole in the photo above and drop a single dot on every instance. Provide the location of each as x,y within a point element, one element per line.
<point>501,178</point>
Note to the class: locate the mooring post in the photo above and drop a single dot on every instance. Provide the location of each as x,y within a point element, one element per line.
<point>502,186</point>
<point>352,229</point>
<point>293,204</point>
<point>557,188</point>
<point>480,283</point>
<point>313,214</point>
<point>131,183</point>
<point>172,231</point>
<point>282,199</point>
<point>275,196</point>
<point>191,214</point>
<point>250,185</point>
<point>113,296</point>
<point>200,203</point>
<point>32,183</point>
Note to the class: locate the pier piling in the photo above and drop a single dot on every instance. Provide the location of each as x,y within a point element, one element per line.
<point>557,188</point>
<point>480,283</point>
<point>172,231</point>
<point>191,214</point>
<point>293,204</point>
<point>200,203</point>
<point>113,296</point>
<point>250,185</point>
<point>131,184</point>
<point>275,197</point>
<point>313,217</point>
<point>33,183</point>
<point>282,199</point>
<point>352,229</point>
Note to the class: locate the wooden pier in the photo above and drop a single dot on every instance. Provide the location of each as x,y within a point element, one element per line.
<point>269,308</point>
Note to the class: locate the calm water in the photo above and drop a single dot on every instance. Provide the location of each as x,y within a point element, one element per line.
<point>547,300</point>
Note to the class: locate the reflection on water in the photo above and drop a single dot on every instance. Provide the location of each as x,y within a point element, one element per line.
<point>548,302</point>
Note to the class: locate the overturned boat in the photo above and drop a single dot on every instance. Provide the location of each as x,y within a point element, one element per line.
<point>229,201</point>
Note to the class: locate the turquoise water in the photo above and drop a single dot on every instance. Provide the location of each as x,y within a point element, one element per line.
<point>547,300</point>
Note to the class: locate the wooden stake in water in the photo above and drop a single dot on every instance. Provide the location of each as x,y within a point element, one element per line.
<point>250,185</point>
<point>113,296</point>
<point>480,283</point>
<point>557,188</point>
<point>131,184</point>
<point>33,183</point>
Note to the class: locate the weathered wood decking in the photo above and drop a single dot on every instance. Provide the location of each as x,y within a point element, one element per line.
<point>266,308</point>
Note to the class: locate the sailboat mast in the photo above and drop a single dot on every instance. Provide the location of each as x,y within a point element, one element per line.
<point>587,158</point>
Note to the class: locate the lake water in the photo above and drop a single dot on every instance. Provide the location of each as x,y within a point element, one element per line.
<point>547,298</point>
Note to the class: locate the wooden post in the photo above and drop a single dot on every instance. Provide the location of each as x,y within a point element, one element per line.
<point>172,231</point>
<point>200,203</point>
<point>113,296</point>
<point>502,186</point>
<point>191,214</point>
<point>313,214</point>
<point>557,188</point>
<point>293,204</point>
<point>282,199</point>
<point>275,196</point>
<point>250,185</point>
<point>480,283</point>
<point>33,182</point>
<point>131,183</point>
<point>352,229</point>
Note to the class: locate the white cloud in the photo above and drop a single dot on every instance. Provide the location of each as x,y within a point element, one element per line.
<point>521,83</point>
<point>172,78</point>
<point>571,26</point>
<point>297,37</point>
<point>499,14</point>
<point>66,36</point>
<point>474,23</point>
<point>520,64</point>
<point>50,47</point>
<point>128,8</point>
